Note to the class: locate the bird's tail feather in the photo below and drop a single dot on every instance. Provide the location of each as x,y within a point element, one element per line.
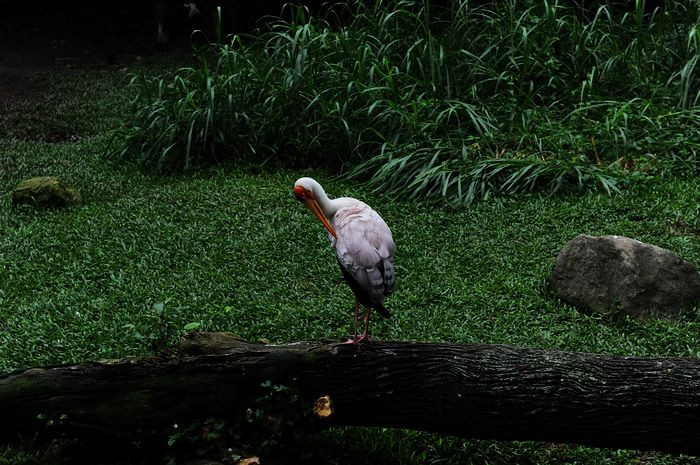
<point>381,309</point>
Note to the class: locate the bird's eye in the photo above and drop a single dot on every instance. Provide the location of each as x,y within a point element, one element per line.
<point>299,193</point>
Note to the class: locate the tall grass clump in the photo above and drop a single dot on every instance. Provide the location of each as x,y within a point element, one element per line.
<point>450,100</point>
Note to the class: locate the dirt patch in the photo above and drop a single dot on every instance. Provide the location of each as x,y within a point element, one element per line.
<point>17,84</point>
<point>39,38</point>
<point>51,50</point>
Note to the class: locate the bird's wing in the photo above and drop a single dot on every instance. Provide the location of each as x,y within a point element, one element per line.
<point>365,248</point>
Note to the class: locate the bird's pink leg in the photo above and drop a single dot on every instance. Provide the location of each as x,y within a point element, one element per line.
<point>354,340</point>
<point>365,336</point>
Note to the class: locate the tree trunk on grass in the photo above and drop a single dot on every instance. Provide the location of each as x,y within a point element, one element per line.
<point>472,391</point>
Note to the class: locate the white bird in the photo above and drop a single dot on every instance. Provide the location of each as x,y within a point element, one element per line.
<point>363,246</point>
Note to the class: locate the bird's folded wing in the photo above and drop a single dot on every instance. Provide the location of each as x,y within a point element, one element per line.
<point>365,249</point>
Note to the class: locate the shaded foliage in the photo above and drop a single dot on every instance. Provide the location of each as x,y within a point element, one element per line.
<point>456,102</point>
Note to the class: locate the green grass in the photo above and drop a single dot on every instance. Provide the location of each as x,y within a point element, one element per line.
<point>229,249</point>
<point>219,249</point>
<point>366,446</point>
<point>65,106</point>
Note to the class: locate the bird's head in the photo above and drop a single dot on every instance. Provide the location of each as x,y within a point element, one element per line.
<point>308,191</point>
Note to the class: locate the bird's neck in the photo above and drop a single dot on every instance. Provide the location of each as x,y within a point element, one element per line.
<point>328,206</point>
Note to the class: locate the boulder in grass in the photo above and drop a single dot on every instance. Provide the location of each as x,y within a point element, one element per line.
<point>619,275</point>
<point>44,192</point>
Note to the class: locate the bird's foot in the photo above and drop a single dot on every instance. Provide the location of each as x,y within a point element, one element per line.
<point>357,340</point>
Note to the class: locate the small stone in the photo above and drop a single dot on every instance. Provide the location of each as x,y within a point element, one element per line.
<point>619,275</point>
<point>44,192</point>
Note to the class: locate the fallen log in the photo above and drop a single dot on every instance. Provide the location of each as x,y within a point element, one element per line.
<point>471,391</point>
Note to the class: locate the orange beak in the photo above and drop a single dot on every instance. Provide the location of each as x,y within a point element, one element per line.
<point>312,205</point>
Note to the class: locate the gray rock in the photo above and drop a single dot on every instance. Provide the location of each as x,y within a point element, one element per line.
<point>615,274</point>
<point>46,191</point>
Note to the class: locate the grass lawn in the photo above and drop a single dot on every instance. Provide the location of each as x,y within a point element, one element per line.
<point>231,250</point>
